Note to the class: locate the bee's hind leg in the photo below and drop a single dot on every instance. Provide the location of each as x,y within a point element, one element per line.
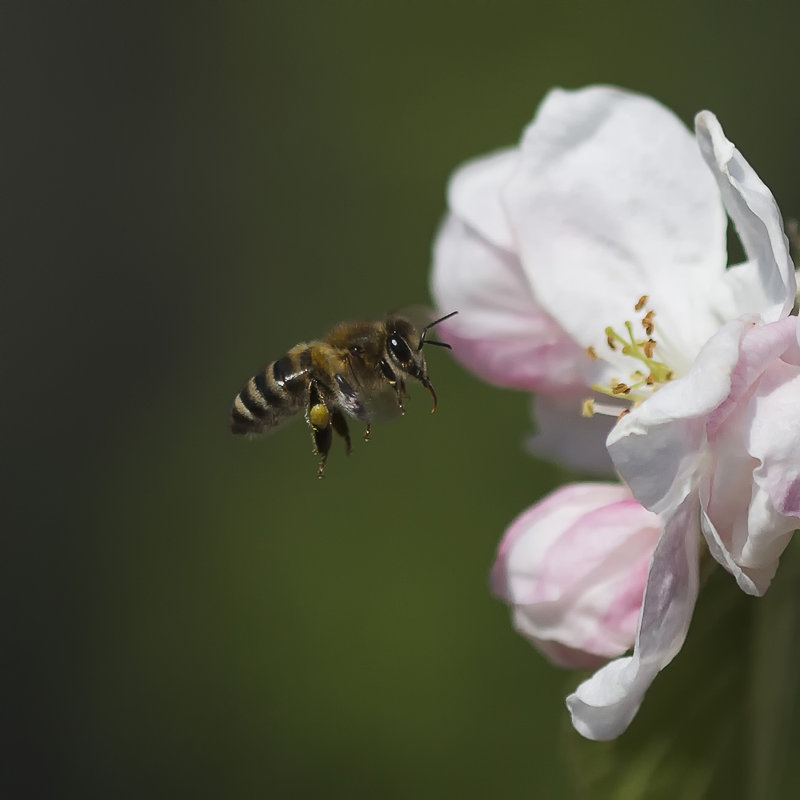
<point>319,418</point>
<point>340,426</point>
<point>322,445</point>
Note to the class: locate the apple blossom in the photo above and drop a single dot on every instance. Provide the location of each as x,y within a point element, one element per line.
<point>607,199</point>
<point>573,568</point>
<point>600,241</point>
<point>714,451</point>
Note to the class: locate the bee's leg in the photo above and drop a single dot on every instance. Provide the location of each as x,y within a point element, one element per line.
<point>319,418</point>
<point>323,437</point>
<point>398,386</point>
<point>340,426</point>
<point>402,391</point>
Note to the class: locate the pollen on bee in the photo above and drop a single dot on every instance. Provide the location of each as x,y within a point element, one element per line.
<point>640,303</point>
<point>319,416</point>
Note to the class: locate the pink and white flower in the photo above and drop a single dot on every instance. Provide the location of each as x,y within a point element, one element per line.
<point>573,568</point>
<point>610,209</point>
<point>714,451</point>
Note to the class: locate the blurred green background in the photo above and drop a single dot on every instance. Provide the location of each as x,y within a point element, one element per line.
<point>190,189</point>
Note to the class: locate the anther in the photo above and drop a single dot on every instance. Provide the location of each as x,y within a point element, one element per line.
<point>648,348</point>
<point>591,352</point>
<point>587,407</point>
<point>620,388</point>
<point>640,305</point>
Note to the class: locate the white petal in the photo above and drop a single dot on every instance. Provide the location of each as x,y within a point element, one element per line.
<point>739,293</point>
<point>603,706</point>
<point>721,553</point>
<point>657,447</point>
<point>564,436</point>
<point>473,195</point>
<point>612,201</point>
<point>501,333</point>
<point>757,218</point>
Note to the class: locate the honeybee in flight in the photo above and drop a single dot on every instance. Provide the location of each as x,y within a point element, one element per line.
<point>359,370</point>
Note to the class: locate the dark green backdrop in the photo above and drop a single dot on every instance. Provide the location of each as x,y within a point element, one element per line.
<point>188,190</point>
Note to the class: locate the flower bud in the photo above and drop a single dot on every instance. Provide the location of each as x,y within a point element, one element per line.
<point>573,568</point>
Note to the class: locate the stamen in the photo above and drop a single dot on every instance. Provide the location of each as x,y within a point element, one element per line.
<point>641,382</point>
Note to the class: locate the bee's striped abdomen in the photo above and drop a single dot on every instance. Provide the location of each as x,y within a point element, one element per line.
<point>274,394</point>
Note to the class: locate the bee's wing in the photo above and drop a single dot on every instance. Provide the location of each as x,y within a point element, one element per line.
<point>364,393</point>
<point>418,315</point>
<point>382,405</point>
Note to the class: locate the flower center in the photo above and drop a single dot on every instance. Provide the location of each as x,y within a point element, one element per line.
<point>647,372</point>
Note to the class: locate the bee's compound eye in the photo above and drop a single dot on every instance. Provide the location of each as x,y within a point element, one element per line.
<point>397,346</point>
<point>319,417</point>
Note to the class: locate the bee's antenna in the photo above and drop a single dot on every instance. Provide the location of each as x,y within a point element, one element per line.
<point>428,327</point>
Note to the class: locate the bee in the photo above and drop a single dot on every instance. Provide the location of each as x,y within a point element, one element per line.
<point>358,370</point>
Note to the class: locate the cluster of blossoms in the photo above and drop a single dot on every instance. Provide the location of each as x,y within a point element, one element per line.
<point>589,266</point>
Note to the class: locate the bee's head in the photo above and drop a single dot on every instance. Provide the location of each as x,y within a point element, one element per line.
<point>404,349</point>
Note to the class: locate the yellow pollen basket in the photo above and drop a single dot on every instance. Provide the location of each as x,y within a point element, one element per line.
<point>319,416</point>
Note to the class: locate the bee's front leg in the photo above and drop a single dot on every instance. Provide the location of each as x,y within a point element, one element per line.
<point>319,418</point>
<point>392,380</point>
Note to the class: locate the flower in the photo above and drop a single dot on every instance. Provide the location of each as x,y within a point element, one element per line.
<point>573,568</point>
<point>549,245</point>
<point>714,452</point>
<point>601,241</point>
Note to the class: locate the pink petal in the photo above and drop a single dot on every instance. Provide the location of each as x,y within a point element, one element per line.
<point>603,706</point>
<point>501,333</point>
<point>574,568</point>
<point>751,488</point>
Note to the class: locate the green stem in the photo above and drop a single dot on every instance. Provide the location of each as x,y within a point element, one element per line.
<point>774,698</point>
